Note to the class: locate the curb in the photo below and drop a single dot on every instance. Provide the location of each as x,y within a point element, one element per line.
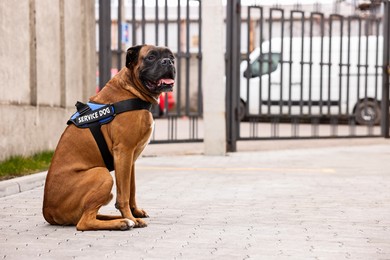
<point>20,184</point>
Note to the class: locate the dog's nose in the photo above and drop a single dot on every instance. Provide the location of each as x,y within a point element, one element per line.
<point>166,62</point>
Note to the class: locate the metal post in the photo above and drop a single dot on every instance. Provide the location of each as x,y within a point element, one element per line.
<point>104,42</point>
<point>233,60</point>
<point>386,67</point>
<point>119,54</point>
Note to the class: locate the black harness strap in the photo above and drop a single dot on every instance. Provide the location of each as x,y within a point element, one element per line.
<point>102,144</point>
<point>131,104</point>
<point>95,127</point>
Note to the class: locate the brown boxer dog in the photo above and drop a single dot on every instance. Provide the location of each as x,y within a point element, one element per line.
<point>78,182</point>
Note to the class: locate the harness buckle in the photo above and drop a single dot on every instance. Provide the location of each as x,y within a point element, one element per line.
<point>81,107</point>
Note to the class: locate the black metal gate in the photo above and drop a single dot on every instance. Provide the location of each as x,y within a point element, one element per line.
<point>164,23</point>
<point>307,75</point>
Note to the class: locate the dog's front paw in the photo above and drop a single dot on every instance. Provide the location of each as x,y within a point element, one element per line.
<point>139,213</point>
<point>139,223</point>
<point>127,224</point>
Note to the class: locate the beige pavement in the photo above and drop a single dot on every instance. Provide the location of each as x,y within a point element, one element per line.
<point>315,200</point>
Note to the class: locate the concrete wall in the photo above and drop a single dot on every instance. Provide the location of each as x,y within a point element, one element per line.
<point>47,63</point>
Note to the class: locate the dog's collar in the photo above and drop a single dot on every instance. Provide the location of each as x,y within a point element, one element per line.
<point>91,112</point>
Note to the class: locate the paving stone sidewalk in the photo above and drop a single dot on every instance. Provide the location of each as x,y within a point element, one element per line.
<point>315,203</point>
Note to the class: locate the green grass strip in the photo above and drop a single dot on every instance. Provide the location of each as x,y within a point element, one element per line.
<point>20,165</point>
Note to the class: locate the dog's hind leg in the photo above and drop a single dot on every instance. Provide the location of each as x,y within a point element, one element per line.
<point>89,221</point>
<point>107,217</point>
<point>100,194</point>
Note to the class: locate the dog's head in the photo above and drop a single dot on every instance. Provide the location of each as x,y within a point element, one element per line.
<point>154,67</point>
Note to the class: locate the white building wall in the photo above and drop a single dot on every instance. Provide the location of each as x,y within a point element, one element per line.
<point>47,64</point>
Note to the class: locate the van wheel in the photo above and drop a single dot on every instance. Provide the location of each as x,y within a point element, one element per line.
<point>368,112</point>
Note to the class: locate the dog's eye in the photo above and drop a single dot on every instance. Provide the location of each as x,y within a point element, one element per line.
<point>151,57</point>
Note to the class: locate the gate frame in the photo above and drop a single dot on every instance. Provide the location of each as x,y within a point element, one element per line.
<point>233,60</point>
<point>233,52</point>
<point>386,70</point>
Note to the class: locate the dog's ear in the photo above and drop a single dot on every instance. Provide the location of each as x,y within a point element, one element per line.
<point>132,55</point>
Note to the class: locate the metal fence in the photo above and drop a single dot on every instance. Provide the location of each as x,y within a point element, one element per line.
<point>301,74</point>
<point>309,75</point>
<point>178,27</point>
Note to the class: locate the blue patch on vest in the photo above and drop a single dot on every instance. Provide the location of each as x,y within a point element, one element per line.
<point>101,113</point>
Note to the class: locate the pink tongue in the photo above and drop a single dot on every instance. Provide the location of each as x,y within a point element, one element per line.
<point>166,81</point>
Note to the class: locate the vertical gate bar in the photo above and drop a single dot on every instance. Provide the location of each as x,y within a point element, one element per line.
<point>333,126</point>
<point>295,127</point>
<point>233,24</point>
<point>196,121</point>
<point>187,59</point>
<point>143,22</point>
<point>311,62</point>
<point>281,56</point>
<point>176,122</point>
<point>200,92</point>
<point>366,64</point>
<point>169,128</point>
<point>133,24</point>
<point>119,23</point>
<point>302,58</point>
<point>275,127</point>
<point>157,23</point>
<point>352,127</point>
<point>330,62</point>
<point>193,120</point>
<point>269,60</point>
<point>156,36</point>
<point>341,64</point>
<point>282,20</point>
<point>172,128</point>
<point>179,57</point>
<point>166,106</point>
<point>248,68</point>
<point>385,77</point>
<point>105,60</point>
<point>260,58</point>
<point>261,62</point>
<point>195,129</point>
<point>376,56</point>
<point>358,62</point>
<point>322,63</point>
<point>290,66</point>
<point>166,23</point>
<point>315,126</point>
<point>302,21</point>
<point>377,21</point>
<point>253,127</point>
<point>321,19</point>
<point>190,128</point>
<point>348,64</point>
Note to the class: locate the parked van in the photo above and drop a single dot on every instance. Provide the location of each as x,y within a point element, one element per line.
<point>315,77</point>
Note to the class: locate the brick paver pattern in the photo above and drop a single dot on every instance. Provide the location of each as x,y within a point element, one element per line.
<point>327,203</point>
